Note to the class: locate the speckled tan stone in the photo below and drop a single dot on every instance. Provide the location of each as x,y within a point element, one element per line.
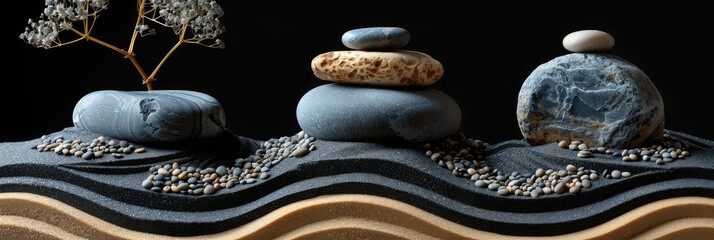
<point>397,68</point>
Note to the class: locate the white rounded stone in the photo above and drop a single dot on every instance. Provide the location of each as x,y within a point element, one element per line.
<point>588,41</point>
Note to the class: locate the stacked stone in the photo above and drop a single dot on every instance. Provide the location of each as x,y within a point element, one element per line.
<point>379,93</point>
<point>587,95</point>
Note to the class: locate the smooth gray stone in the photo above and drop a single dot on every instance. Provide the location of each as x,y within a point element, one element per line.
<point>375,38</point>
<point>599,99</point>
<point>150,117</point>
<point>371,114</point>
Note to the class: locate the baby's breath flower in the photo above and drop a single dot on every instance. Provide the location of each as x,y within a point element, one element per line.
<point>195,21</point>
<point>218,44</point>
<point>58,16</point>
<point>144,30</point>
<point>198,16</point>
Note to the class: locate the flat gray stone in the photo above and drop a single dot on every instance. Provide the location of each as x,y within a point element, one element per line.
<point>599,99</point>
<point>376,38</point>
<point>371,114</point>
<point>150,117</point>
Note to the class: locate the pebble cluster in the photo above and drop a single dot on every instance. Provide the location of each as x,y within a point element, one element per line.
<point>668,150</point>
<point>464,157</point>
<point>97,148</point>
<point>173,178</point>
<point>542,182</point>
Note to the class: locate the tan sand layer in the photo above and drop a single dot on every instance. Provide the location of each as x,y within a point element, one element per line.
<point>350,216</point>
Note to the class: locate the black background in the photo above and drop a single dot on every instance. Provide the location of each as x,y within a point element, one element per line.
<point>487,49</point>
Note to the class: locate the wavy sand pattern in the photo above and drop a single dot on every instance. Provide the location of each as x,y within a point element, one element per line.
<point>349,190</point>
<point>353,216</point>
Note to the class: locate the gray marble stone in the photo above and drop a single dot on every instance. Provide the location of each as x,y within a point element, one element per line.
<point>371,114</point>
<point>376,38</point>
<point>599,99</point>
<point>150,117</point>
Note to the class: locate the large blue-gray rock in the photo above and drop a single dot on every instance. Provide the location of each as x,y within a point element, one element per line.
<point>599,99</point>
<point>371,114</point>
<point>375,38</point>
<point>150,117</point>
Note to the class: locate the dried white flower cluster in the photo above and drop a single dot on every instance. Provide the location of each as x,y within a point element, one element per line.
<point>57,17</point>
<point>199,16</point>
<point>193,21</point>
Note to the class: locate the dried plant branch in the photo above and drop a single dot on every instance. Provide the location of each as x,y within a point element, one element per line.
<point>197,17</point>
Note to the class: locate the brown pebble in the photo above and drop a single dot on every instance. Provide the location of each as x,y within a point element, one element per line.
<point>300,152</point>
<point>140,150</point>
<point>585,154</point>
<point>563,144</point>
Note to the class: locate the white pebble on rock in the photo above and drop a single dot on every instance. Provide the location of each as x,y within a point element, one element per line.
<point>588,41</point>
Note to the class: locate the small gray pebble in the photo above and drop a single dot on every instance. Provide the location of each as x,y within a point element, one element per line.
<point>208,190</point>
<point>560,188</point>
<point>534,194</point>
<point>221,171</point>
<point>147,183</point>
<point>616,174</point>
<point>575,189</point>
